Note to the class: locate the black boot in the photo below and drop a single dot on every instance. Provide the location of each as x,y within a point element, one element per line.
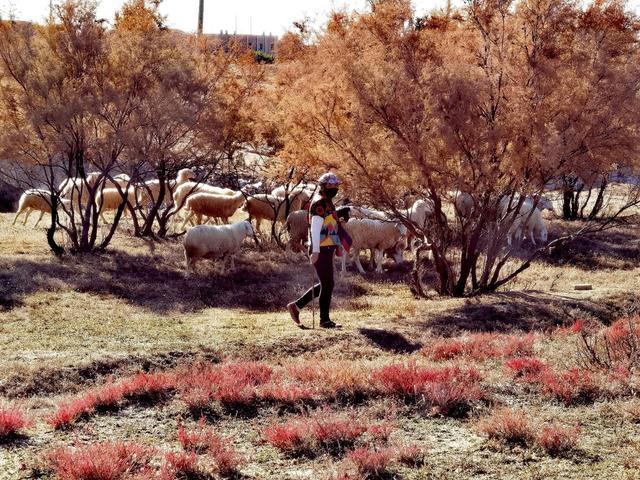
<point>329,324</point>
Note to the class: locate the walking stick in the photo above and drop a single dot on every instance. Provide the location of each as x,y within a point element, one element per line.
<point>313,296</point>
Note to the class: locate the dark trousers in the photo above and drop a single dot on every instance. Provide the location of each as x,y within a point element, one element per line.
<point>324,289</point>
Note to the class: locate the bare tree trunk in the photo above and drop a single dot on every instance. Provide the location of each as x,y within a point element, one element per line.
<point>147,228</point>
<point>599,200</point>
<point>55,248</point>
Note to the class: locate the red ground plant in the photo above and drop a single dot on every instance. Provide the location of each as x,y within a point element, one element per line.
<point>480,347</point>
<point>508,426</point>
<point>99,461</point>
<point>12,421</point>
<point>313,434</point>
<point>204,440</point>
<point>571,386</point>
<point>372,463</point>
<point>180,465</point>
<point>526,368</point>
<point>411,455</point>
<point>556,439</point>
<point>142,386</point>
<point>447,390</point>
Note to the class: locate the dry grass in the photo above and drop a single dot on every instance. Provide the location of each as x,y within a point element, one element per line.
<point>66,325</point>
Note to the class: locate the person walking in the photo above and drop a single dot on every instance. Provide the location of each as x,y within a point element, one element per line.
<point>325,240</point>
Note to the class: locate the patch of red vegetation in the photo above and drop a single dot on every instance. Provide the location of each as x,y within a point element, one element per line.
<point>12,421</point>
<point>200,440</point>
<point>411,455</point>
<point>556,439</point>
<point>143,386</point>
<point>311,434</point>
<point>291,438</point>
<point>480,347</point>
<point>69,411</point>
<point>336,433</point>
<point>509,426</point>
<point>100,461</point>
<point>515,427</point>
<point>577,327</point>
<point>205,441</point>
<point>447,391</point>
<point>381,432</point>
<point>148,386</point>
<point>232,384</point>
<point>526,368</point>
<point>570,386</point>
<point>372,462</point>
<point>241,386</point>
<point>179,465</point>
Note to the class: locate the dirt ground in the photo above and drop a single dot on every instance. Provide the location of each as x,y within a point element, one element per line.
<point>67,324</point>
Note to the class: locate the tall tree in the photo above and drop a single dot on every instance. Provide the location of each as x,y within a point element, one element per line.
<point>494,101</point>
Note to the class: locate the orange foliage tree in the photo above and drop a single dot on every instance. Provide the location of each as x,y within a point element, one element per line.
<point>494,100</point>
<point>137,99</point>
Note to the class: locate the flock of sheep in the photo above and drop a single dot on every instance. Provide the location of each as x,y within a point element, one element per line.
<point>196,201</point>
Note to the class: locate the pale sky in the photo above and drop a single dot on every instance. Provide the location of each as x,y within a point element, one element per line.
<point>259,16</point>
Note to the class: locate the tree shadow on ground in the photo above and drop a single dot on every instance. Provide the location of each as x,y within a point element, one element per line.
<point>617,248</point>
<point>154,282</point>
<point>389,341</point>
<point>526,311</point>
<point>71,379</point>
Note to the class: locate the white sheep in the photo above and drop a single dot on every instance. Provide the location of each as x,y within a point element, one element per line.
<point>212,206</point>
<point>214,241</point>
<point>377,235</point>
<point>77,189</point>
<point>264,206</point>
<point>35,199</point>
<point>529,218</point>
<point>418,214</point>
<point>150,189</point>
<point>370,213</point>
<point>111,199</point>
<point>191,188</point>
<point>298,227</point>
<point>301,193</point>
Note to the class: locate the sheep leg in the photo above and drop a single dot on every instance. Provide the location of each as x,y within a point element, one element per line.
<point>356,258</point>
<point>544,234</point>
<point>343,260</point>
<point>190,263</point>
<point>379,256</point>
<point>187,218</point>
<point>27,216</point>
<point>16,217</point>
<point>532,236</point>
<point>39,218</point>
